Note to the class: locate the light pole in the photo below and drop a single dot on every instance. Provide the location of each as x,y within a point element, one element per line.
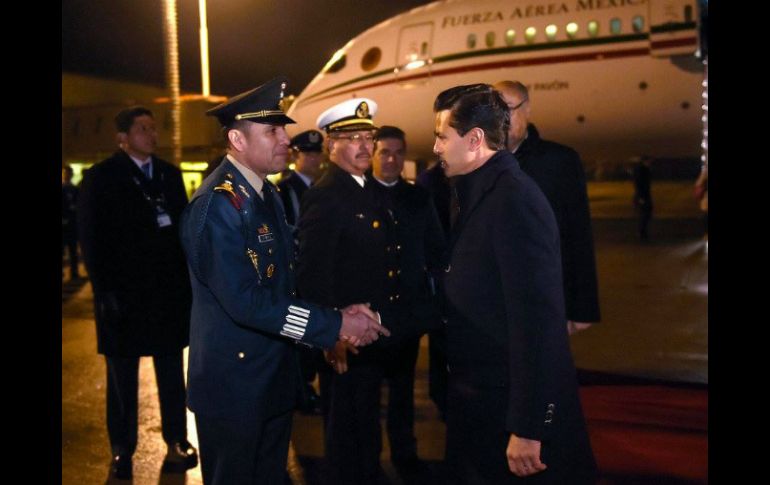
<point>172,75</point>
<point>204,35</point>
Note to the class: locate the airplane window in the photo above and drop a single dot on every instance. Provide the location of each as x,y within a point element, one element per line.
<point>471,41</point>
<point>615,26</point>
<point>490,39</point>
<point>572,30</point>
<point>593,28</point>
<point>371,59</point>
<point>510,37</point>
<point>529,34</point>
<point>688,13</point>
<point>638,24</point>
<point>338,65</point>
<point>424,49</point>
<point>550,32</point>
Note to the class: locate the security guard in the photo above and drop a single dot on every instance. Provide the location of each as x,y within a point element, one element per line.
<point>345,251</point>
<point>307,146</point>
<point>243,373</point>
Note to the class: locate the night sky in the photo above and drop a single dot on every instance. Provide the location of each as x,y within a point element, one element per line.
<point>250,41</point>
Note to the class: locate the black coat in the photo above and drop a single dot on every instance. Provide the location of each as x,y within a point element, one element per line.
<point>558,171</point>
<point>137,269</point>
<point>505,313</point>
<point>346,249</point>
<point>419,234</point>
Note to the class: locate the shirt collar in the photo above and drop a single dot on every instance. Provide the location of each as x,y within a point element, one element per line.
<point>386,184</point>
<point>252,178</point>
<point>360,179</point>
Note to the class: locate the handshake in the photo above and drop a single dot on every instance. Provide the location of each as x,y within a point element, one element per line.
<point>360,325</point>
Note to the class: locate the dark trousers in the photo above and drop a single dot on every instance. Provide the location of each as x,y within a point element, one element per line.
<point>399,375</point>
<point>645,214</point>
<point>69,243</point>
<point>244,452</point>
<point>437,373</point>
<point>122,404</point>
<point>353,438</point>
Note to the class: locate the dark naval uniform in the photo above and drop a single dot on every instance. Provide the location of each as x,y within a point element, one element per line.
<point>418,232</point>
<point>292,190</point>
<point>246,321</point>
<point>510,366</point>
<point>346,250</point>
<point>559,174</point>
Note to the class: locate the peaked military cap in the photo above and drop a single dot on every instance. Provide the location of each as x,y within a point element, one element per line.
<point>351,115</point>
<point>260,105</point>
<point>308,141</point>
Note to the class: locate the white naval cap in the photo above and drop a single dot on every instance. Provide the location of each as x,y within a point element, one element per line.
<point>351,115</point>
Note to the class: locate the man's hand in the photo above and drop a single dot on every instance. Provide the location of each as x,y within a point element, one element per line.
<point>338,356</point>
<point>575,327</point>
<point>360,325</point>
<point>524,456</point>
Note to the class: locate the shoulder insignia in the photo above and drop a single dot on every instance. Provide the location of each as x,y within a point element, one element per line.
<point>234,198</point>
<point>245,192</point>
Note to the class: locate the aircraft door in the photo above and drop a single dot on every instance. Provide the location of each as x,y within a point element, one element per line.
<point>673,27</point>
<point>414,54</point>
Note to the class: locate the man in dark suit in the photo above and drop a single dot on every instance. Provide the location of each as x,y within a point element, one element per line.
<point>128,220</point>
<point>347,253</point>
<point>513,406</point>
<point>243,375</point>
<point>307,146</point>
<point>418,232</point>
<point>558,172</point>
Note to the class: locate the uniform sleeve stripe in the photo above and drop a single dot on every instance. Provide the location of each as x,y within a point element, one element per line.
<point>299,321</point>
<point>302,312</point>
<point>290,335</point>
<point>295,328</point>
<point>290,332</point>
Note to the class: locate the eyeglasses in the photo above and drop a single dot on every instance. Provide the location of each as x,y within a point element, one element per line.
<point>519,105</point>
<point>356,138</point>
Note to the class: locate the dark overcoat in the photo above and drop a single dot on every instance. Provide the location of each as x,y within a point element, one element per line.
<point>558,172</point>
<point>510,365</point>
<point>136,267</point>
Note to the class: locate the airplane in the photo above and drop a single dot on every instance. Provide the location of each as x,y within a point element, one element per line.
<point>614,79</point>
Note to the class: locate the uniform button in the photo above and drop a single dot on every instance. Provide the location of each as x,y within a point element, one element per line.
<point>398,248</point>
<point>551,407</point>
<point>270,251</point>
<point>445,320</point>
<point>293,293</point>
<point>376,224</point>
<point>391,273</point>
<point>391,298</point>
<point>395,221</point>
<point>387,248</point>
<point>398,272</point>
<point>448,268</point>
<point>291,266</point>
<point>241,355</point>
<point>398,296</point>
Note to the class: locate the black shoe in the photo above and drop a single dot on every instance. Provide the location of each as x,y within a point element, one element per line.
<point>121,467</point>
<point>180,457</point>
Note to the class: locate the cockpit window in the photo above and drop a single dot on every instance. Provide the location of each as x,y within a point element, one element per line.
<point>337,65</point>
<point>593,28</point>
<point>471,41</point>
<point>371,59</point>
<point>529,34</point>
<point>510,37</point>
<point>638,24</point>
<point>616,26</point>
<point>572,30</point>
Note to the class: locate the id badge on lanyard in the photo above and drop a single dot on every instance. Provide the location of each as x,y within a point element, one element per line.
<point>162,218</point>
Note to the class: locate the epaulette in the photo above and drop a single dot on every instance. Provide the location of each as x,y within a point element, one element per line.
<point>227,187</point>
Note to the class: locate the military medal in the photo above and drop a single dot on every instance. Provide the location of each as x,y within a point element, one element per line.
<point>245,192</point>
<point>270,270</point>
<point>376,224</point>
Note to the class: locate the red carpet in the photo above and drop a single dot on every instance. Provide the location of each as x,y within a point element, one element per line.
<point>648,433</point>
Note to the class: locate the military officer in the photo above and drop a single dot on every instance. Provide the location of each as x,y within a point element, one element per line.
<point>246,318</point>
<point>308,147</point>
<point>346,249</point>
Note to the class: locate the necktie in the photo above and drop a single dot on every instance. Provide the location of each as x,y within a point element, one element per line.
<point>146,169</point>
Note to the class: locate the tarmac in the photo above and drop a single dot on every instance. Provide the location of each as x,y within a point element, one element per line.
<point>654,304</point>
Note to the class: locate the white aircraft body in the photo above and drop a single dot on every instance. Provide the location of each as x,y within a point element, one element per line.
<point>614,79</point>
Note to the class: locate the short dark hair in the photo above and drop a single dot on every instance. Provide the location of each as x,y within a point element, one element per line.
<point>387,131</point>
<point>126,117</point>
<point>477,105</point>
